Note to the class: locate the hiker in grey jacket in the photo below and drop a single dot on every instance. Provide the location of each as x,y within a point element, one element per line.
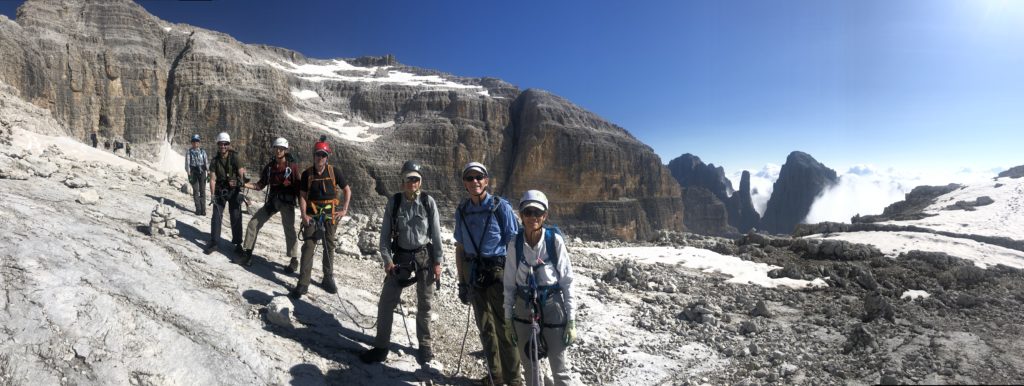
<point>410,246</point>
<point>197,165</point>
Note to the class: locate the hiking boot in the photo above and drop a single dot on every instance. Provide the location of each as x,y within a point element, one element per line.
<point>245,259</point>
<point>239,249</point>
<point>374,355</point>
<point>210,248</point>
<point>486,381</point>
<point>426,354</point>
<point>297,292</point>
<point>328,285</point>
<point>293,266</point>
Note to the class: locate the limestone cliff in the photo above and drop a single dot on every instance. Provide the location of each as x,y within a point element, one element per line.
<point>801,179</point>
<point>108,66</point>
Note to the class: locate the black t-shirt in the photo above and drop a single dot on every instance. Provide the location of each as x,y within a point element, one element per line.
<point>318,186</point>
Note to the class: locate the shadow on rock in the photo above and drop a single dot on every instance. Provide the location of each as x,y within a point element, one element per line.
<point>320,332</point>
<point>170,202</point>
<point>193,235</point>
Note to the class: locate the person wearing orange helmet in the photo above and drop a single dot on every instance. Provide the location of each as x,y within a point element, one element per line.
<point>318,198</point>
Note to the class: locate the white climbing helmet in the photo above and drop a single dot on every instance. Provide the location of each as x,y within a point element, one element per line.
<point>534,198</point>
<point>223,137</point>
<point>474,166</point>
<point>281,142</point>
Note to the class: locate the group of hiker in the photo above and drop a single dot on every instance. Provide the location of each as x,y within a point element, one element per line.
<point>518,278</point>
<point>117,145</point>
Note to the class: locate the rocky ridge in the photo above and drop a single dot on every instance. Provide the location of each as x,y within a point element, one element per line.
<point>112,68</point>
<point>801,180</point>
<point>711,206</point>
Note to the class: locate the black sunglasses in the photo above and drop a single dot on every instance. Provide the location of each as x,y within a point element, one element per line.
<point>223,143</point>
<point>412,179</point>
<point>532,212</point>
<point>478,177</point>
<point>320,154</point>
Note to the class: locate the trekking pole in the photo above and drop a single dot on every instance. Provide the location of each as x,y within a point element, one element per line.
<point>405,321</point>
<point>462,351</point>
<point>535,342</point>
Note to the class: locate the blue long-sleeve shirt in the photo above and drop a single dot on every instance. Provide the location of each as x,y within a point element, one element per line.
<point>492,237</point>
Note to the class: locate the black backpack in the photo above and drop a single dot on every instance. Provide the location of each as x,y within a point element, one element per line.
<point>406,272</point>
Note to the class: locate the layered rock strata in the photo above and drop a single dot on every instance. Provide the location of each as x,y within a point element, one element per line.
<point>109,67</point>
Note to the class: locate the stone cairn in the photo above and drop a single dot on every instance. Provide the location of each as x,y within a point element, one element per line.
<point>162,222</point>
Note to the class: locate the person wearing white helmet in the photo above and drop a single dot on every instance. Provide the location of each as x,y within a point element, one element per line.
<point>281,174</point>
<point>226,176</point>
<point>196,165</point>
<point>484,225</point>
<point>538,289</point>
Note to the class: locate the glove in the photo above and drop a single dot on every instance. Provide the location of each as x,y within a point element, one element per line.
<point>463,293</point>
<point>510,332</point>
<point>570,333</point>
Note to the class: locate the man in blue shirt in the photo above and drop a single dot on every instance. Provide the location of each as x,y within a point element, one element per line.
<point>484,225</point>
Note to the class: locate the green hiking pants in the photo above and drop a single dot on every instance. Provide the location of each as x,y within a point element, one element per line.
<point>488,308</point>
<point>309,244</point>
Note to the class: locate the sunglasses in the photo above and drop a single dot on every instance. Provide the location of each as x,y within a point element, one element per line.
<point>412,179</point>
<point>478,177</point>
<point>320,154</point>
<point>280,148</point>
<point>223,144</point>
<point>532,212</point>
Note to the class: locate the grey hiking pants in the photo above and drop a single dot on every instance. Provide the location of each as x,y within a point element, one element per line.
<point>198,181</point>
<point>309,245</point>
<point>391,294</point>
<point>553,314</point>
<point>233,200</point>
<point>287,220</point>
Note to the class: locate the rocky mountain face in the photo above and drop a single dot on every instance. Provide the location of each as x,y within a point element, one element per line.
<point>742,214</point>
<point>108,66</point>
<point>723,209</point>
<point>1014,172</point>
<point>801,179</point>
<point>911,208</point>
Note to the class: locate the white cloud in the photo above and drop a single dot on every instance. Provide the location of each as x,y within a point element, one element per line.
<point>761,184</point>
<point>866,189</point>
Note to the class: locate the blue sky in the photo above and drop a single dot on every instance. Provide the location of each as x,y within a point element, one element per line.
<point>915,85</point>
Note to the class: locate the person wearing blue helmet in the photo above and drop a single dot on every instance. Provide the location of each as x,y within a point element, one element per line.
<point>197,165</point>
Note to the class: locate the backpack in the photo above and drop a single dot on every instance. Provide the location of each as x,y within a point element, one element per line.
<point>396,203</point>
<point>539,345</point>
<point>482,271</point>
<point>549,246</point>
<point>494,212</point>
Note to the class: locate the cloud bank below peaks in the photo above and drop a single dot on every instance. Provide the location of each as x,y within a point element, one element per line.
<point>865,189</point>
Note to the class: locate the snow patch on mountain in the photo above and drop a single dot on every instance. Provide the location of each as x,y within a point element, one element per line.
<point>1004,217</point>
<point>342,71</point>
<point>351,130</point>
<point>741,271</point>
<point>894,243</point>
